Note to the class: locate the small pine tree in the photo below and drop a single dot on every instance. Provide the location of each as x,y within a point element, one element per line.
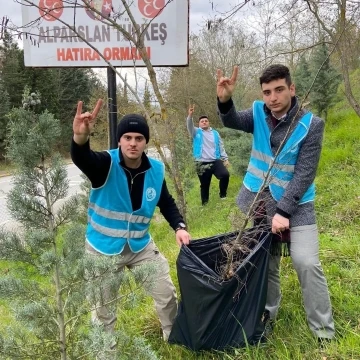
<point>11,73</point>
<point>237,143</point>
<point>302,77</point>
<point>51,277</point>
<point>325,87</point>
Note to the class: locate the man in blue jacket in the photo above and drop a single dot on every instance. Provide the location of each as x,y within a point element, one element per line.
<point>285,154</point>
<point>209,154</point>
<point>126,188</point>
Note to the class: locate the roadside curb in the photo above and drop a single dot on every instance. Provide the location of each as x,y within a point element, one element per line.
<point>4,174</point>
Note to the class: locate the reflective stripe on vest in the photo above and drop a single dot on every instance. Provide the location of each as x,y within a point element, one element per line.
<point>118,215</point>
<point>116,233</point>
<point>111,222</point>
<point>262,159</point>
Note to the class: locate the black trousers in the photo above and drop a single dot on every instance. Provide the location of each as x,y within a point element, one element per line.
<point>205,171</point>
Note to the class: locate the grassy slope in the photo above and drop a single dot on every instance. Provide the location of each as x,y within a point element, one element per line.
<point>338,206</point>
<point>337,203</point>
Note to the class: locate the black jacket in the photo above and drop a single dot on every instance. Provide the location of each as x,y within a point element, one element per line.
<point>96,165</point>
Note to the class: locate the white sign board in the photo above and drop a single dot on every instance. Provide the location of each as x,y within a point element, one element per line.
<point>165,24</point>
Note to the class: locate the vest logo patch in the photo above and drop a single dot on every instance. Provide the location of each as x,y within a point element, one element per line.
<point>150,194</point>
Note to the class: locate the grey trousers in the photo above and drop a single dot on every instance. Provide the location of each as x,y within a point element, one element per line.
<point>304,252</point>
<point>162,290</point>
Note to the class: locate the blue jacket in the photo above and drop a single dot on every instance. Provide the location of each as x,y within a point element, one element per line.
<point>198,143</point>
<point>111,221</point>
<point>262,158</point>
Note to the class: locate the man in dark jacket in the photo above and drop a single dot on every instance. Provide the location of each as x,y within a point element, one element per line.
<point>126,188</point>
<point>287,194</point>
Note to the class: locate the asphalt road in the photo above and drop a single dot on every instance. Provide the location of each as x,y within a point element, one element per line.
<point>6,184</point>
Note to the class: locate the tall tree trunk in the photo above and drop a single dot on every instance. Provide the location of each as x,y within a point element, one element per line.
<point>346,78</point>
<point>174,170</point>
<point>342,51</point>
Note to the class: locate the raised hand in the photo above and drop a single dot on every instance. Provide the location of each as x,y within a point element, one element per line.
<point>191,110</point>
<point>225,86</point>
<point>84,122</point>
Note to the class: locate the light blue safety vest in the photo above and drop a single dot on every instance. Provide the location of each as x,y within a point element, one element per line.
<point>111,221</point>
<point>198,143</point>
<point>262,157</point>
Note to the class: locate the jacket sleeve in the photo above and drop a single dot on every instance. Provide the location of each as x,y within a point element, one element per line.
<point>190,126</point>
<point>95,165</point>
<point>305,169</point>
<point>238,120</point>
<point>223,154</point>
<point>168,207</point>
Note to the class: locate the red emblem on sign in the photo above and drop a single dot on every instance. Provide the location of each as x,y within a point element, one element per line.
<point>104,7</point>
<point>151,8</point>
<point>51,10</point>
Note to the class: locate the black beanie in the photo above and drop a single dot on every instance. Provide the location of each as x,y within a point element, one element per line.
<point>133,123</point>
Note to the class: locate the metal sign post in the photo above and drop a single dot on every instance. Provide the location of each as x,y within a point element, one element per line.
<point>111,78</point>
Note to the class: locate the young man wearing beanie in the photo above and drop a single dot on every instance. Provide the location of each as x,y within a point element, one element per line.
<point>209,154</point>
<point>126,188</point>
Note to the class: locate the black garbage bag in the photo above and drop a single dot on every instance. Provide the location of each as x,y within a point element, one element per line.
<point>215,313</point>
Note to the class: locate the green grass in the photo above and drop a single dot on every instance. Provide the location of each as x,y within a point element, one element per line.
<point>292,338</point>
<point>6,168</point>
<point>338,213</point>
<point>5,310</point>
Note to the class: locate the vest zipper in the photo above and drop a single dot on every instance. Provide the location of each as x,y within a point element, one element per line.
<point>132,178</point>
<point>271,132</point>
<point>272,154</point>
<point>131,184</point>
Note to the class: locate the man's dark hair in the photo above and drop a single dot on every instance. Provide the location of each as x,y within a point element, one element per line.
<point>276,72</point>
<point>203,117</point>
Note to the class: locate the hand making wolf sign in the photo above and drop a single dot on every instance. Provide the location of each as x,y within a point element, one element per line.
<point>191,110</point>
<point>83,123</point>
<point>225,86</point>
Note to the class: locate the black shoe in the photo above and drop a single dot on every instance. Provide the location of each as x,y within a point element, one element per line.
<point>268,325</point>
<point>323,342</point>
